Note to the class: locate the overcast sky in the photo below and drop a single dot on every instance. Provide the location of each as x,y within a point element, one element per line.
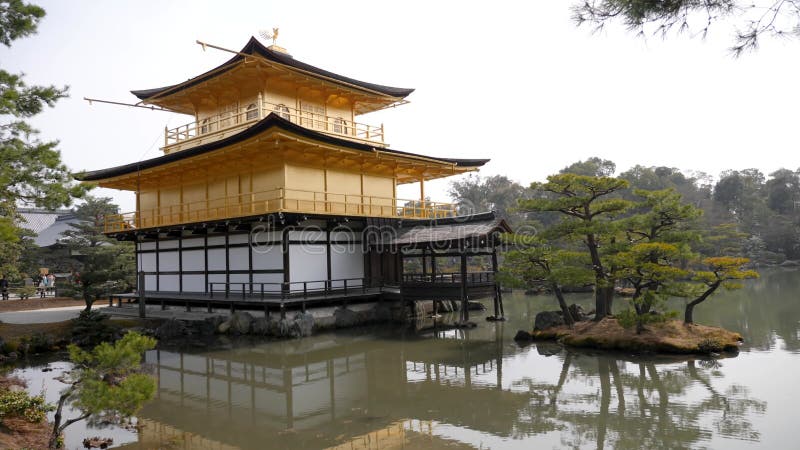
<point>517,82</point>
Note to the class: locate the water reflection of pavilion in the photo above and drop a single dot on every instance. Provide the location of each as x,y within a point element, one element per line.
<point>326,390</point>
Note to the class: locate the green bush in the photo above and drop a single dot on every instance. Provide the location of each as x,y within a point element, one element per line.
<point>628,318</point>
<point>91,328</point>
<point>20,404</point>
<point>10,346</point>
<point>26,291</point>
<point>38,342</point>
<point>710,345</point>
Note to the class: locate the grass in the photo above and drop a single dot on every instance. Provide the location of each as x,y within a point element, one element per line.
<point>668,337</point>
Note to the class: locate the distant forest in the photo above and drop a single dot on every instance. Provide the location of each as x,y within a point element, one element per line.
<point>745,213</point>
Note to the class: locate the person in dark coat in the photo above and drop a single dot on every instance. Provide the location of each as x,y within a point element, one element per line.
<point>4,287</point>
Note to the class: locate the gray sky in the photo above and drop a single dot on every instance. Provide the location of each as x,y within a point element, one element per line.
<point>517,82</point>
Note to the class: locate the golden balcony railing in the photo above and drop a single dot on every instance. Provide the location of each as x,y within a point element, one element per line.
<point>278,200</point>
<point>216,127</point>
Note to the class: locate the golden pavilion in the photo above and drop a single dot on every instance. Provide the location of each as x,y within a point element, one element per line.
<point>274,186</point>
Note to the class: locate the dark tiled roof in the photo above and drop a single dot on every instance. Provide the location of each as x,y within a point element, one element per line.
<point>53,234</point>
<point>254,47</point>
<point>272,120</point>
<point>451,230</point>
<point>48,225</point>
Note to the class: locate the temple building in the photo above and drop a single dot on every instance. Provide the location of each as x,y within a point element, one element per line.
<point>276,188</point>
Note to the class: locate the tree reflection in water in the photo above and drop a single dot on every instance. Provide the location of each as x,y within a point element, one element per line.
<point>603,400</point>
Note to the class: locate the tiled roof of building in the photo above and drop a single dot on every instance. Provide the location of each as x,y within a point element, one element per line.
<point>451,230</point>
<point>272,120</point>
<point>253,47</point>
<point>47,224</point>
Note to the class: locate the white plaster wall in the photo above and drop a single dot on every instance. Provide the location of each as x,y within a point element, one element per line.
<point>216,240</point>
<point>168,283</point>
<point>193,242</point>
<point>193,283</point>
<point>346,262</point>
<point>267,278</point>
<point>238,258</point>
<point>310,235</point>
<point>167,261</point>
<point>147,246</point>
<point>261,236</point>
<point>148,262</point>
<point>237,239</point>
<point>216,259</point>
<point>150,282</point>
<point>239,278</point>
<point>168,244</point>
<point>308,263</point>
<point>267,257</point>
<point>193,260</point>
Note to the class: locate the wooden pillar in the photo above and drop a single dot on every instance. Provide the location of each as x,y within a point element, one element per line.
<point>205,259</point>
<point>180,263</point>
<point>158,256</point>
<point>285,250</point>
<point>433,266</point>
<point>328,283</point>
<point>227,257</point>
<point>497,313</point>
<point>140,291</point>
<point>424,263</point>
<point>464,301</point>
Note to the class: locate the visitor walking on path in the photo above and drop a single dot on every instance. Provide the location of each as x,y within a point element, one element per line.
<point>42,287</point>
<point>4,287</point>
<point>52,283</point>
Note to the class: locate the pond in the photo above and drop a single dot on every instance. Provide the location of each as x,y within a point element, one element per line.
<point>418,387</point>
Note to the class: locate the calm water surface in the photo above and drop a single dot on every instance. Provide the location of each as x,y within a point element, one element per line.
<point>418,387</point>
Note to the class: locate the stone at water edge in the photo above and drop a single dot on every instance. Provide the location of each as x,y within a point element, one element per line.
<point>260,326</point>
<point>302,325</point>
<point>547,319</point>
<point>523,336</point>
<point>224,327</point>
<point>171,328</point>
<point>240,322</point>
<point>577,312</point>
<point>345,317</point>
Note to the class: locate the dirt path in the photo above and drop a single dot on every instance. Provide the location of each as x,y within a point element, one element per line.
<point>38,303</point>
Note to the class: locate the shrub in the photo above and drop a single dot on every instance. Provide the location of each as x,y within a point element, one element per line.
<point>26,292</point>
<point>20,404</point>
<point>10,346</point>
<point>37,343</point>
<point>91,328</point>
<point>710,345</point>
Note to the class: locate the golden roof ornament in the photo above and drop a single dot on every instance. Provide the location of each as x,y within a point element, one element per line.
<point>274,38</point>
<point>270,36</point>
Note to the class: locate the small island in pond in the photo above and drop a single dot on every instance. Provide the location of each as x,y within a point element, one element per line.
<point>644,244</point>
<point>671,336</point>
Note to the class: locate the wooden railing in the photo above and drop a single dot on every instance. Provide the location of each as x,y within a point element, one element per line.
<point>286,290</point>
<point>278,200</point>
<point>449,278</point>
<point>215,127</point>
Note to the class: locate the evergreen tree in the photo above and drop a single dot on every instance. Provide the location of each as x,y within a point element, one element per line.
<point>107,382</point>
<point>590,214</point>
<point>105,265</point>
<point>721,271</point>
<point>31,171</point>
<point>753,19</point>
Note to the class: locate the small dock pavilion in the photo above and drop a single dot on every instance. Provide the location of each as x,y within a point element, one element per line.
<point>459,241</point>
